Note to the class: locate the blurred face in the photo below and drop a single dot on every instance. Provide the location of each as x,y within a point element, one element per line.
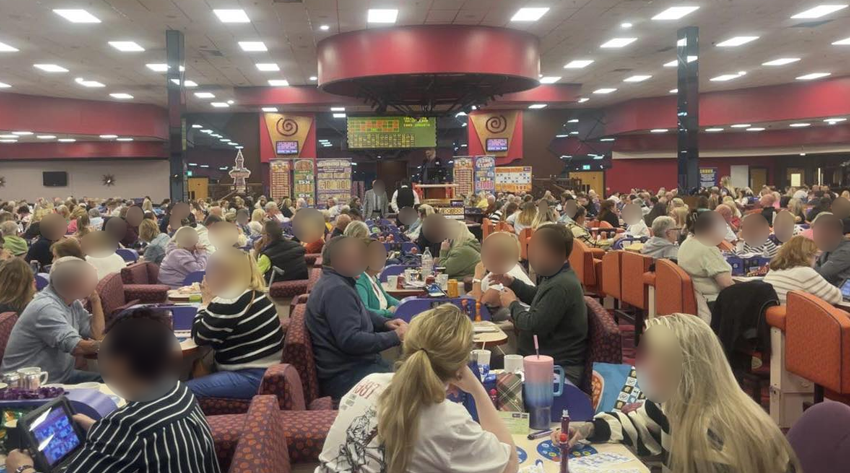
<point>632,214</point>
<point>223,234</point>
<point>570,208</point>
<point>407,215</point>
<point>308,225</point>
<point>755,230</point>
<point>434,228</point>
<point>187,240</point>
<point>543,206</point>
<point>717,233</point>
<point>827,236</point>
<point>499,253</point>
<point>659,364</point>
<point>221,279</point>
<point>178,213</point>
<point>350,258</point>
<point>376,255</point>
<point>135,215</point>
<point>53,227</point>
<point>84,284</point>
<point>544,261</point>
<point>783,226</point>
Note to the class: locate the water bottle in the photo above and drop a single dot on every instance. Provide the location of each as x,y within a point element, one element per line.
<point>427,263</point>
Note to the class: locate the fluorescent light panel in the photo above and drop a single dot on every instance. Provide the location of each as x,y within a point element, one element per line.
<point>799,125</point>
<point>204,95</point>
<point>278,82</point>
<point>618,42</point>
<point>121,96</point>
<point>67,140</point>
<point>658,130</point>
<point>674,13</point>
<point>814,75</point>
<point>46,137</point>
<point>89,83</point>
<point>549,79</point>
<point>196,125</point>
<point>4,85</point>
<point>728,77</point>
<point>270,109</point>
<point>50,68</point>
<point>781,61</point>
<point>537,106</point>
<point>841,42</point>
<point>675,62</point>
<point>5,48</point>
<point>636,78</point>
<point>604,91</point>
<point>157,67</point>
<point>219,104</point>
<point>22,133</point>
<point>529,14</point>
<point>253,46</point>
<point>583,100</point>
<point>382,15</point>
<point>758,128</point>
<point>313,78</point>
<point>337,109</point>
<point>77,16</point>
<point>339,115</point>
<point>578,64</point>
<point>714,130</point>
<point>736,41</point>
<point>674,91</point>
<point>126,46</point>
<point>268,67</point>
<point>324,27</point>
<point>232,16</point>
<point>819,11</point>
<point>108,137</point>
<point>741,125</point>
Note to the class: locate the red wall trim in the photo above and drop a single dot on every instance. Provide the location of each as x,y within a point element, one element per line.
<point>84,150</point>
<point>652,174</point>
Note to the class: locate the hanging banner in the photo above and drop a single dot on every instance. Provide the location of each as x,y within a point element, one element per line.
<point>333,180</point>
<point>463,175</point>
<point>707,177</point>
<point>280,179</point>
<point>495,130</point>
<point>304,181</point>
<point>288,133</point>
<point>513,179</point>
<point>485,174</point>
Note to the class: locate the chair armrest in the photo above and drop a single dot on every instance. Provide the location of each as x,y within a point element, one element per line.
<point>306,432</point>
<point>596,253</point>
<point>775,316</point>
<point>321,404</point>
<point>283,289</point>
<point>649,278</point>
<point>146,293</point>
<point>262,447</point>
<point>282,381</point>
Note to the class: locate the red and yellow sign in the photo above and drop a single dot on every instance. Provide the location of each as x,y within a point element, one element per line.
<point>513,179</point>
<point>496,124</point>
<point>288,128</point>
<point>280,180</point>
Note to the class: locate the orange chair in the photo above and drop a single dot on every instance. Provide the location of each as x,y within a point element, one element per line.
<point>583,260</point>
<point>817,345</point>
<point>610,279</point>
<point>633,290</point>
<point>524,238</point>
<point>788,391</point>
<point>487,227</point>
<point>674,289</point>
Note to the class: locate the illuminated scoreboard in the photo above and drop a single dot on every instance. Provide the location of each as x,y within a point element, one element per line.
<point>391,132</point>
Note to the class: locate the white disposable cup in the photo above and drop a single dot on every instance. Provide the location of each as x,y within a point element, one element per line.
<point>482,357</point>
<point>513,363</point>
<point>392,282</point>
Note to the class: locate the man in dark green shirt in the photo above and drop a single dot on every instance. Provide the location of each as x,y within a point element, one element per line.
<point>558,314</point>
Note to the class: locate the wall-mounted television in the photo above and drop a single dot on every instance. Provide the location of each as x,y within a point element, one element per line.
<point>55,179</point>
<point>494,145</point>
<point>286,147</point>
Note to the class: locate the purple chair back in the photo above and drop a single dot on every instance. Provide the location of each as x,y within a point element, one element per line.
<point>194,277</point>
<point>41,281</point>
<point>821,438</point>
<point>129,255</point>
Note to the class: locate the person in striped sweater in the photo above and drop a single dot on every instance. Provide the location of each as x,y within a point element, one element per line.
<point>791,270</point>
<point>696,416</point>
<point>240,323</point>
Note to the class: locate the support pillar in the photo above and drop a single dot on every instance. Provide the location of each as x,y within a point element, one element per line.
<point>687,53</point>
<point>175,54</point>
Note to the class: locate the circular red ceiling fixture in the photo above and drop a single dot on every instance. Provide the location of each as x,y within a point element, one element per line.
<point>428,69</point>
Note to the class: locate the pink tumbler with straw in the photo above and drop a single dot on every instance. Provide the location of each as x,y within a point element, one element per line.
<point>539,388</point>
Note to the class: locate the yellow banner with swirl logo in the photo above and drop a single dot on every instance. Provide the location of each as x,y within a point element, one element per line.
<point>288,133</point>
<point>496,126</point>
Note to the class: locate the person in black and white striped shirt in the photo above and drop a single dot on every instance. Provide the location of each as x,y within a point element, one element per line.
<point>755,231</point>
<point>696,416</point>
<point>241,325</point>
<point>161,428</point>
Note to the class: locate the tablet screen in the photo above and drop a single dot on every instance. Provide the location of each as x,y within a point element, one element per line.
<point>54,432</point>
<point>845,289</point>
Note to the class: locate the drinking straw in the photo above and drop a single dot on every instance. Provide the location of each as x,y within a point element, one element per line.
<point>536,347</point>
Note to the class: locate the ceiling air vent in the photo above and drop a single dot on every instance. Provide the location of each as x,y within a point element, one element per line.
<point>212,52</point>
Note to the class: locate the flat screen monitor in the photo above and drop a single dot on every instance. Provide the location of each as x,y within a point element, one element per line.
<point>55,178</point>
<point>494,145</point>
<point>286,147</point>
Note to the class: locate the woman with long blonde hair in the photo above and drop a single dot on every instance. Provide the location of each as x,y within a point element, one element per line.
<point>402,422</point>
<point>525,218</point>
<point>709,424</point>
<point>239,322</point>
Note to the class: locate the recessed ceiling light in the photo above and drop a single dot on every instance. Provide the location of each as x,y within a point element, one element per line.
<point>658,130</point>
<point>313,78</point>
<point>833,121</point>
<point>549,79</point>
<point>561,136</point>
<point>157,67</point>
<point>50,68</point>
<point>574,133</point>
<point>88,83</point>
<point>270,109</point>
<point>5,48</point>
<point>799,125</point>
<point>77,16</point>
<point>604,91</point>
<point>842,42</point>
<point>607,139</point>
<point>67,140</point>
<point>736,41</point>
<point>674,13</point>
<point>339,115</point>
<point>573,120</point>
<point>196,125</point>
<point>121,96</point>
<point>9,137</point>
<point>189,83</point>
<point>537,106</point>
<point>814,75</point>
<point>625,25</point>
<point>209,132</point>
<point>124,139</point>
<point>741,125</point>
<point>713,130</point>
<point>231,102</point>
<point>225,140</point>
<point>382,15</point>
<point>529,14</point>
<point>219,104</point>
<point>324,27</point>
<point>4,85</point>
<point>674,91</point>
<point>215,135</point>
<point>819,11</point>
<point>232,16</point>
<point>108,137</point>
<point>240,147</point>
<point>126,46</point>
<point>636,78</point>
<point>337,109</point>
<point>278,82</point>
<point>583,100</point>
<point>618,42</point>
<point>253,46</point>
<point>781,61</point>
<point>205,95</point>
<point>22,133</point>
<point>268,67</point>
<point>758,128</point>
<point>675,62</point>
<point>578,64</point>
<point>46,137</point>
<point>728,77</point>
<point>8,141</point>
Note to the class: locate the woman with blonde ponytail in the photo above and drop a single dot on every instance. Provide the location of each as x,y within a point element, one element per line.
<point>402,422</point>
<point>695,416</point>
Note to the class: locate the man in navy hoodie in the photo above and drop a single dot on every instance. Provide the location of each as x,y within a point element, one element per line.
<point>347,338</point>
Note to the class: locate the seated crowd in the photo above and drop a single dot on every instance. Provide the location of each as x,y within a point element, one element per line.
<point>696,416</point>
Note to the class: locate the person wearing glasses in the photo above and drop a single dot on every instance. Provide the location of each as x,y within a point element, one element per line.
<point>664,242</point>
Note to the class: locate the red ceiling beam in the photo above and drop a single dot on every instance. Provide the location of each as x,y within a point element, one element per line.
<point>83,150</point>
<point>304,96</point>
<point>56,115</point>
<point>796,101</point>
